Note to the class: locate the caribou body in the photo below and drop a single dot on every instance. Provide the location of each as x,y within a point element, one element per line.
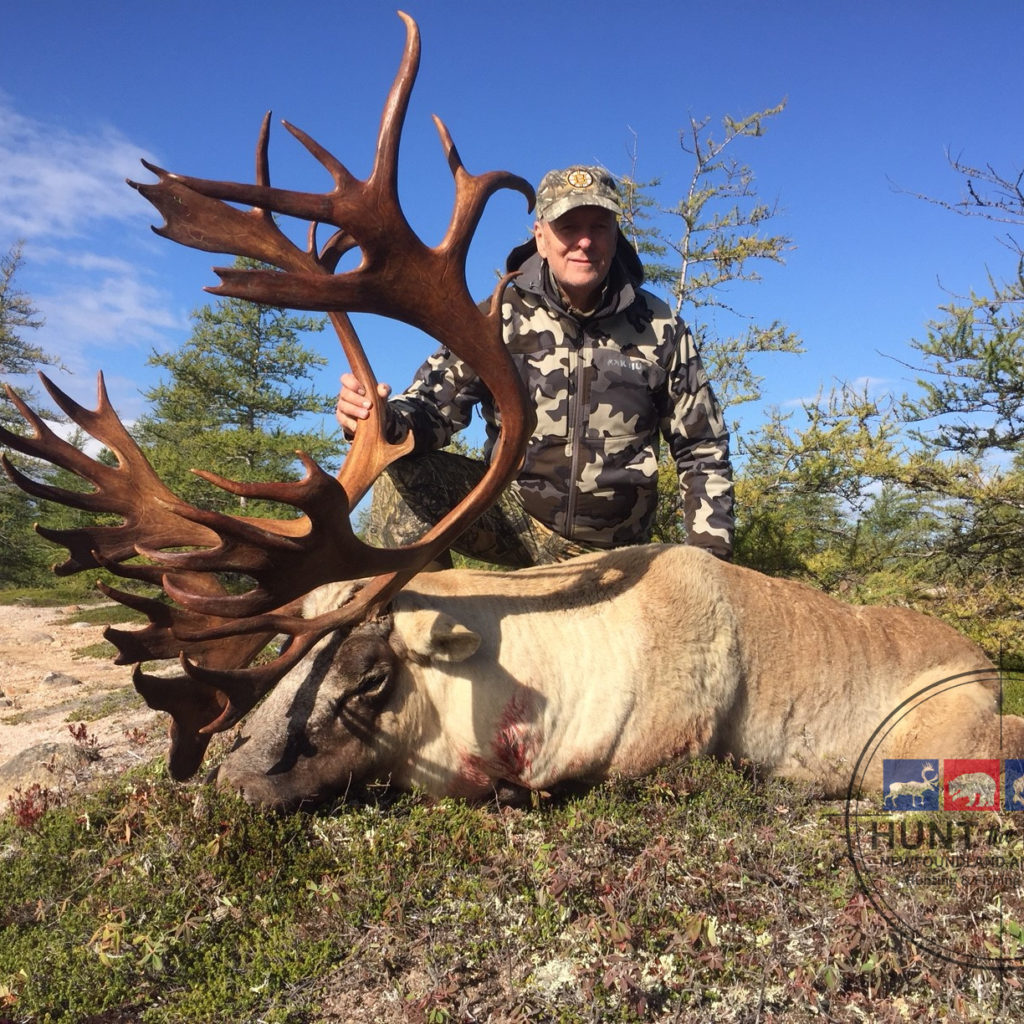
<point>608,665</point>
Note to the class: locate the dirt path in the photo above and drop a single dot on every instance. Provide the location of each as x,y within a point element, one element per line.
<point>47,686</point>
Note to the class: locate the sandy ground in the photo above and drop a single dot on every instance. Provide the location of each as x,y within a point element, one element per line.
<point>48,689</point>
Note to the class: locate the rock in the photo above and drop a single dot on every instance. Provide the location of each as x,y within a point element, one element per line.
<point>60,679</point>
<point>45,764</point>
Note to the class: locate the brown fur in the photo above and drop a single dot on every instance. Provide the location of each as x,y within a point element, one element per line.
<point>612,664</point>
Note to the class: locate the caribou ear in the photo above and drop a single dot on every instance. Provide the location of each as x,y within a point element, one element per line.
<point>438,637</point>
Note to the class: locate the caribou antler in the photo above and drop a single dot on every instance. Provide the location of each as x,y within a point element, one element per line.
<point>400,277</point>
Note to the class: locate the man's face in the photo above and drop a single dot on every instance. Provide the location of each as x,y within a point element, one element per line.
<point>579,247</point>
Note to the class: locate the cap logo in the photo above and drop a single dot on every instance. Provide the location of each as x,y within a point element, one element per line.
<point>579,178</point>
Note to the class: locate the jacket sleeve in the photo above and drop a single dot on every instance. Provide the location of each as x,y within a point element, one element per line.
<point>437,403</point>
<point>698,440</point>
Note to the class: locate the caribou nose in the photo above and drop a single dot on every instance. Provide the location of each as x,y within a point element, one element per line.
<point>254,788</point>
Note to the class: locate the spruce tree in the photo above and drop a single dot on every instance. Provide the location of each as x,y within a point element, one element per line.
<point>24,557</point>
<point>233,403</point>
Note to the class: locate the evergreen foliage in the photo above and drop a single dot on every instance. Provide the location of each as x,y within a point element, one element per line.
<point>18,356</point>
<point>233,403</point>
<point>23,555</point>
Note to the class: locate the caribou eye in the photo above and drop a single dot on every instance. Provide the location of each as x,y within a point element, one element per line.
<point>371,689</point>
<point>374,683</point>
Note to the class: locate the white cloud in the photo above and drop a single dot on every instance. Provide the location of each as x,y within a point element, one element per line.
<point>55,184</point>
<point>112,309</point>
<point>872,387</point>
<point>64,193</point>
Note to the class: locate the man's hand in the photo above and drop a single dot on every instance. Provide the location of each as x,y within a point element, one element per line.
<point>353,405</point>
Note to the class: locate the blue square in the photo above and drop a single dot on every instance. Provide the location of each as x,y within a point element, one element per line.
<point>1013,784</point>
<point>911,784</point>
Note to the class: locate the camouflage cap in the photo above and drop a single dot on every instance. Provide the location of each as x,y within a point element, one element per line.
<point>561,191</point>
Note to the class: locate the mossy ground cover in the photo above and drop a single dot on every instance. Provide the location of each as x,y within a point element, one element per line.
<point>705,892</point>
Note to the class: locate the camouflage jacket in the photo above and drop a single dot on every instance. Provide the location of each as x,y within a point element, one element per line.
<point>607,388</point>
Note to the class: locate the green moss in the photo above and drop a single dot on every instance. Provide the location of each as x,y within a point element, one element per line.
<point>114,702</point>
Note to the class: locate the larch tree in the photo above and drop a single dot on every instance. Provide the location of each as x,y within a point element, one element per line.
<point>932,494</point>
<point>967,422</point>
<point>713,238</point>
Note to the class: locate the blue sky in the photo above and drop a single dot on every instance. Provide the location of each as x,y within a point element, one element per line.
<point>877,93</point>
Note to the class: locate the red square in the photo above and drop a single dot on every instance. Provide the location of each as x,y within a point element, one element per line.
<point>970,784</point>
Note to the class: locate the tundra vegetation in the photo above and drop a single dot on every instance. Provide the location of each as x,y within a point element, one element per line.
<point>703,892</point>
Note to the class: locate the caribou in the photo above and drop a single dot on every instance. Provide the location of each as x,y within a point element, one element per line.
<point>478,684</point>
<point>463,683</point>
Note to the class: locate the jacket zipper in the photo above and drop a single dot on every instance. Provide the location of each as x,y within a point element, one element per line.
<point>576,422</point>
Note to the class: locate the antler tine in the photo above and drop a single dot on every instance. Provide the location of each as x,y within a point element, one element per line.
<point>43,443</point>
<point>162,637</point>
<point>371,451</point>
<point>193,703</point>
<point>116,490</point>
<point>389,136</point>
<point>472,193</point>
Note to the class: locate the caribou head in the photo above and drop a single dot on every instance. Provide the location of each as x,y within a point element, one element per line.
<point>184,550</point>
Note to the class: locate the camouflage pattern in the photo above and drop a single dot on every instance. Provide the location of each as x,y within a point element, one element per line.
<point>562,191</point>
<point>418,491</point>
<point>607,389</point>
